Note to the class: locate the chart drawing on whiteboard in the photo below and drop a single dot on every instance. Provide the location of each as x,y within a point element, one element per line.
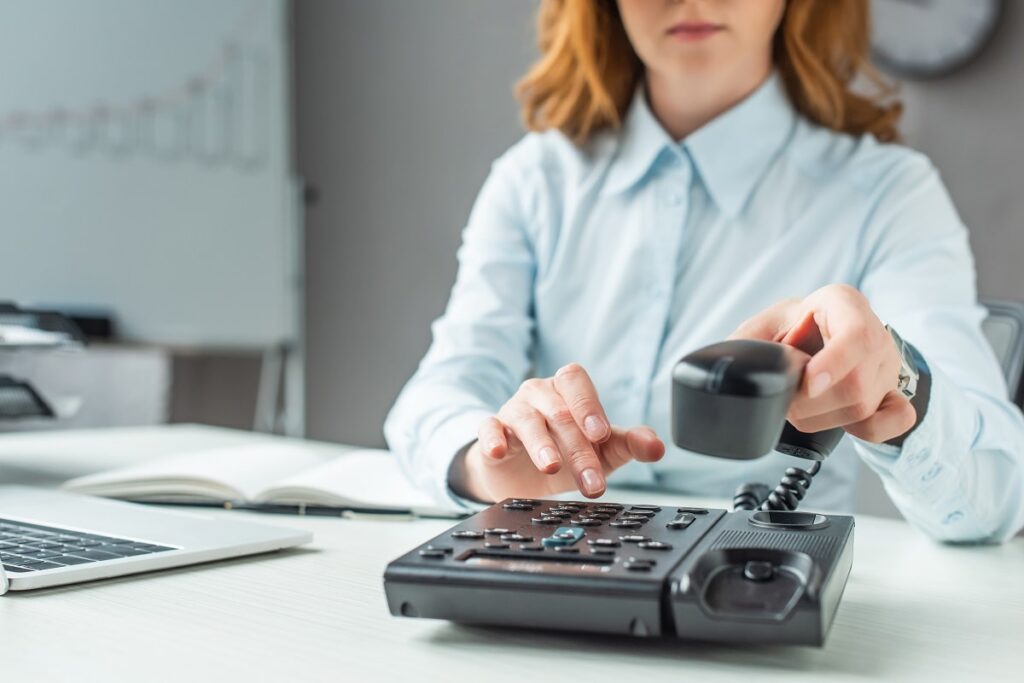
<point>145,166</point>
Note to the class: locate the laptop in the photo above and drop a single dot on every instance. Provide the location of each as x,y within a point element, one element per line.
<point>52,538</point>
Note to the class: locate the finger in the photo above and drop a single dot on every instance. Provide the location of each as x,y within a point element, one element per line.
<point>515,446</point>
<point>575,448</point>
<point>530,427</point>
<point>770,324</point>
<point>849,415</point>
<point>491,436</point>
<point>852,393</point>
<point>895,417</point>
<point>849,335</point>
<point>577,390</point>
<point>583,463</point>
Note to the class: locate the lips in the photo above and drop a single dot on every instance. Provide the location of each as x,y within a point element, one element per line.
<point>694,30</point>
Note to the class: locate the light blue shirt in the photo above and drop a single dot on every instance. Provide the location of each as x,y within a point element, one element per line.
<point>629,253</point>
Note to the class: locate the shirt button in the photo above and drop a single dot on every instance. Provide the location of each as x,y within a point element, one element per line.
<point>673,198</point>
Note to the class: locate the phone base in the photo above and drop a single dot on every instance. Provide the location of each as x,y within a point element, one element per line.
<point>636,570</point>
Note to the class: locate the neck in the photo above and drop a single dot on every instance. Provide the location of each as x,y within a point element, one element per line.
<point>684,103</point>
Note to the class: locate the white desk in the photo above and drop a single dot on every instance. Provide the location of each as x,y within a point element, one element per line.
<point>913,610</point>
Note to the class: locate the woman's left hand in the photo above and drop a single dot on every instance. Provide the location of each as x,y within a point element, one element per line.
<point>851,379</point>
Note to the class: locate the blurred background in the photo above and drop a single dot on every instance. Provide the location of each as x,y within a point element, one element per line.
<point>255,204</point>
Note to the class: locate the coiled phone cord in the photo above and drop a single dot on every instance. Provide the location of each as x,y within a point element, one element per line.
<point>786,496</point>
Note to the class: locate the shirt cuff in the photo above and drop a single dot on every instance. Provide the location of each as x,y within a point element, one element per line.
<point>923,475</point>
<point>450,437</point>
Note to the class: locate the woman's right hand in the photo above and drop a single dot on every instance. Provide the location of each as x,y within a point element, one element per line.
<point>552,436</point>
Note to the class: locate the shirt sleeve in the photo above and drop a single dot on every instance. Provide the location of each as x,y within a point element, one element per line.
<point>481,344</point>
<point>958,475</point>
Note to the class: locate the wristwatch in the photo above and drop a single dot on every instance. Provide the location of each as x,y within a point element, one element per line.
<point>909,372</point>
<point>915,381</point>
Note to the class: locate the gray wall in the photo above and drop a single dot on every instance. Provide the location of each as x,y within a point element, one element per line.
<point>971,124</point>
<point>400,108</point>
<point>402,105</point>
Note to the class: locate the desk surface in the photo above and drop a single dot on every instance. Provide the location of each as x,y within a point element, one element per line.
<point>913,610</point>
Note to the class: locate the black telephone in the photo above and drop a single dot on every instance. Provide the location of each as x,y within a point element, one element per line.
<point>762,573</point>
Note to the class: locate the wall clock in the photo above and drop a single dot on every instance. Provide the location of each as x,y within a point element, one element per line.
<point>928,38</point>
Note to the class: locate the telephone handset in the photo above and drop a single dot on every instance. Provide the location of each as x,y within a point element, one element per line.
<point>730,400</point>
<point>761,573</point>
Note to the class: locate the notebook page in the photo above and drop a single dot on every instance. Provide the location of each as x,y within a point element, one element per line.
<point>366,478</point>
<point>224,473</point>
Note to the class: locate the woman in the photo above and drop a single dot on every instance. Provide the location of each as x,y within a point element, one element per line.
<point>700,169</point>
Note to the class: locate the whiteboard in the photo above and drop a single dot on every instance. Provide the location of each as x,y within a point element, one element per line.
<point>145,166</point>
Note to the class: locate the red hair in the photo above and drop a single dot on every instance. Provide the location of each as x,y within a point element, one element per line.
<point>588,71</point>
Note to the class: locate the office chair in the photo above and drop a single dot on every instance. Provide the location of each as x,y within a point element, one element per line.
<point>1004,328</point>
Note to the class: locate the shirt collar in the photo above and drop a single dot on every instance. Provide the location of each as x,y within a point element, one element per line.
<point>731,152</point>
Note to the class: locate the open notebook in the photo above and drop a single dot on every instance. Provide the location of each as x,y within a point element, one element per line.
<point>267,474</point>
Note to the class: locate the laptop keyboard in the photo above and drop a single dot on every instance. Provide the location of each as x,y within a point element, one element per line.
<point>31,547</point>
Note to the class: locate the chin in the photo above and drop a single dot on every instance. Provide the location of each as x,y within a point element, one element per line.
<point>693,63</point>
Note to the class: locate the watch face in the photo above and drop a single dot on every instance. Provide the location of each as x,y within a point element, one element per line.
<point>930,37</point>
<point>906,382</point>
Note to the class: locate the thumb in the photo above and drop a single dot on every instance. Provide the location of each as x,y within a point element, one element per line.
<point>639,443</point>
<point>805,335</point>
